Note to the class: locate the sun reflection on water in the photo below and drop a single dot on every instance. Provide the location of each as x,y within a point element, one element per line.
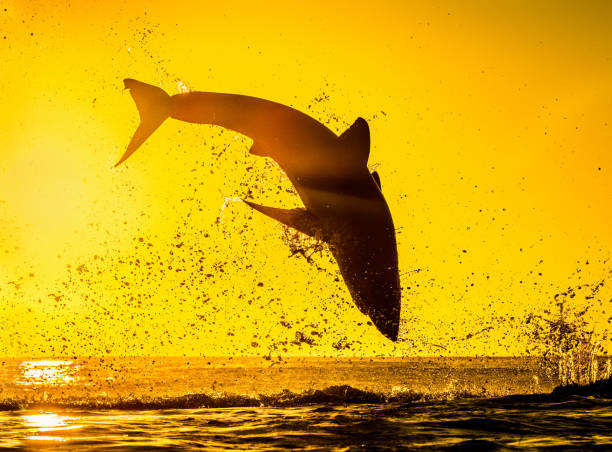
<point>47,372</point>
<point>49,426</point>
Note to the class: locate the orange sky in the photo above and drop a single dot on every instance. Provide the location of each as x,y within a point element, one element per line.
<point>490,127</point>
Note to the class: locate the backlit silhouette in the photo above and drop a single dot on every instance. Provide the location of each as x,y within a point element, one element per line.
<point>344,205</point>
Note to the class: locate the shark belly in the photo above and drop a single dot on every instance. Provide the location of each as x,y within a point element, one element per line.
<point>359,228</point>
<point>366,252</point>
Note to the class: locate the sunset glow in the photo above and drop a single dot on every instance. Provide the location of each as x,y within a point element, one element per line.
<point>490,128</point>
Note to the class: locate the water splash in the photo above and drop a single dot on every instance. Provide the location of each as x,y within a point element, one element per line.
<point>571,350</point>
<point>182,87</point>
<point>303,245</point>
<point>227,200</point>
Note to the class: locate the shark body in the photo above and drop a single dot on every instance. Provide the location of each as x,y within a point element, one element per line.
<point>344,204</point>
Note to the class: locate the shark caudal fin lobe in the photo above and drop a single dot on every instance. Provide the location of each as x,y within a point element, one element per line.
<point>153,105</point>
<point>356,141</point>
<point>299,219</point>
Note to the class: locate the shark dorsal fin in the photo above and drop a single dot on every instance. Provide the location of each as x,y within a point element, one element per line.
<point>298,219</point>
<point>356,140</point>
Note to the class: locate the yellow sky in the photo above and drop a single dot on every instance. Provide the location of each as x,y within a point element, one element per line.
<point>491,125</point>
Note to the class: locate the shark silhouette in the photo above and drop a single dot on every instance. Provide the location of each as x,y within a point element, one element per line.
<point>344,205</point>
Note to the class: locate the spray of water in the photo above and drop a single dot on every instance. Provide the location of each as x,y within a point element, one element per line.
<point>570,349</point>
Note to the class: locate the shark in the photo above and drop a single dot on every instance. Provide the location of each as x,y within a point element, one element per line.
<point>343,202</point>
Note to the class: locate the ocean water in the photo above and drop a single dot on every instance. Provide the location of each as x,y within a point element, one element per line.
<point>296,403</point>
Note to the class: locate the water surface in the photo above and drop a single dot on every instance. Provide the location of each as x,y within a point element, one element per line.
<point>304,403</point>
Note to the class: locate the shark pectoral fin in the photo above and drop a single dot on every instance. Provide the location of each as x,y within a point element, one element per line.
<point>376,178</point>
<point>298,219</point>
<point>257,150</point>
<point>356,139</point>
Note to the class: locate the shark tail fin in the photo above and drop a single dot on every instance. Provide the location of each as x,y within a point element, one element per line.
<point>153,105</point>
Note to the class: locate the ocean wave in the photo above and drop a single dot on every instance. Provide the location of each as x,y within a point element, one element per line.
<point>601,388</point>
<point>331,396</point>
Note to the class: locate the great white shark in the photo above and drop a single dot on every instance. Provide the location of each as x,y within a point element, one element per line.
<point>344,204</point>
